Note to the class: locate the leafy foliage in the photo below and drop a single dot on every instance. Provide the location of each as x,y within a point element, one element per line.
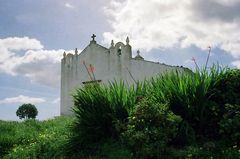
<point>7,139</point>
<point>225,89</point>
<point>97,108</point>
<point>103,112</point>
<point>114,150</point>
<point>152,119</point>
<point>151,127</point>
<point>188,96</point>
<point>230,124</point>
<point>27,111</point>
<point>34,139</point>
<point>208,150</point>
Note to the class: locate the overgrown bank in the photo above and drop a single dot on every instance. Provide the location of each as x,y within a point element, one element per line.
<point>193,115</point>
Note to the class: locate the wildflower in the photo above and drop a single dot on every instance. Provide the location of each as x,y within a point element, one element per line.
<point>209,51</point>
<point>91,68</point>
<point>194,60</point>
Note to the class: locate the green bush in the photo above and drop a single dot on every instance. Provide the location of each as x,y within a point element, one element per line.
<point>188,96</point>
<point>230,125</point>
<point>97,109</point>
<point>151,127</point>
<point>113,150</point>
<point>149,120</point>
<point>209,150</point>
<point>225,89</point>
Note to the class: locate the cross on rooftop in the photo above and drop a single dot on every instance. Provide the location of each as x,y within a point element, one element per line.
<point>138,52</point>
<point>93,37</point>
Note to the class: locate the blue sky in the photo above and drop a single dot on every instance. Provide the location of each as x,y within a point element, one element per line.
<point>34,35</point>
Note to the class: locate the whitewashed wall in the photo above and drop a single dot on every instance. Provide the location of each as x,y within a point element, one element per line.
<point>108,66</point>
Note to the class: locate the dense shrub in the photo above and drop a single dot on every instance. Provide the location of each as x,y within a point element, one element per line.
<point>230,125</point>
<point>225,89</point>
<point>151,127</point>
<point>209,150</point>
<point>97,108</point>
<point>187,95</point>
<point>113,150</point>
<point>103,112</point>
<point>151,120</point>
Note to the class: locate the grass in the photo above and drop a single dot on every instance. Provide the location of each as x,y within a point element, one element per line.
<point>46,139</point>
<point>34,139</point>
<point>103,114</point>
<point>187,94</point>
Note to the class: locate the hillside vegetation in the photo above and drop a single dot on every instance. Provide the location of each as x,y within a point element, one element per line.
<point>34,139</point>
<point>175,116</point>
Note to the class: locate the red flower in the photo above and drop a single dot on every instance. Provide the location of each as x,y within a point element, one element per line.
<point>91,68</point>
<point>193,59</point>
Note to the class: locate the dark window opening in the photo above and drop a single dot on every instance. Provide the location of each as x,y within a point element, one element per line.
<point>119,51</point>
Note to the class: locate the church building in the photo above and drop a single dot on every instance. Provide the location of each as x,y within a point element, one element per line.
<point>100,64</point>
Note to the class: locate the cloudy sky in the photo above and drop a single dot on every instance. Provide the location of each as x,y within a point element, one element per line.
<point>35,33</point>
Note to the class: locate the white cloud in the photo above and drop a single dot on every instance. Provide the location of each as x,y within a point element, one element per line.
<point>24,43</point>
<point>227,2</point>
<point>236,63</point>
<point>11,44</point>
<point>22,99</point>
<point>68,5</point>
<point>166,24</point>
<point>56,101</point>
<point>35,62</point>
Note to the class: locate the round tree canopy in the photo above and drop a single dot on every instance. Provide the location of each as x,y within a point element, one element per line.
<point>27,111</point>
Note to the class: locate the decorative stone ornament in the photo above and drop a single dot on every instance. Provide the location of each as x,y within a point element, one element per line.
<point>127,41</point>
<point>76,51</point>
<point>112,43</point>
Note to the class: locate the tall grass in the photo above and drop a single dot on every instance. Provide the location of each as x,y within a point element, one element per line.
<point>98,108</point>
<point>188,95</point>
<point>34,139</point>
<point>103,114</point>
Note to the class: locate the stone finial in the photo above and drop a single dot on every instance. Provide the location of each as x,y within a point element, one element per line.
<point>112,43</point>
<point>64,54</point>
<point>76,51</point>
<point>127,41</point>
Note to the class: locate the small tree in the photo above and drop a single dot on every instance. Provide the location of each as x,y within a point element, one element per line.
<point>27,111</point>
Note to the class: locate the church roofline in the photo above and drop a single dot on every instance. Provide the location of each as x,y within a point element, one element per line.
<point>102,46</point>
<point>137,58</point>
<point>158,63</point>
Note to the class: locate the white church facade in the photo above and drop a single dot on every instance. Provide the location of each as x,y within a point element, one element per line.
<point>97,63</point>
